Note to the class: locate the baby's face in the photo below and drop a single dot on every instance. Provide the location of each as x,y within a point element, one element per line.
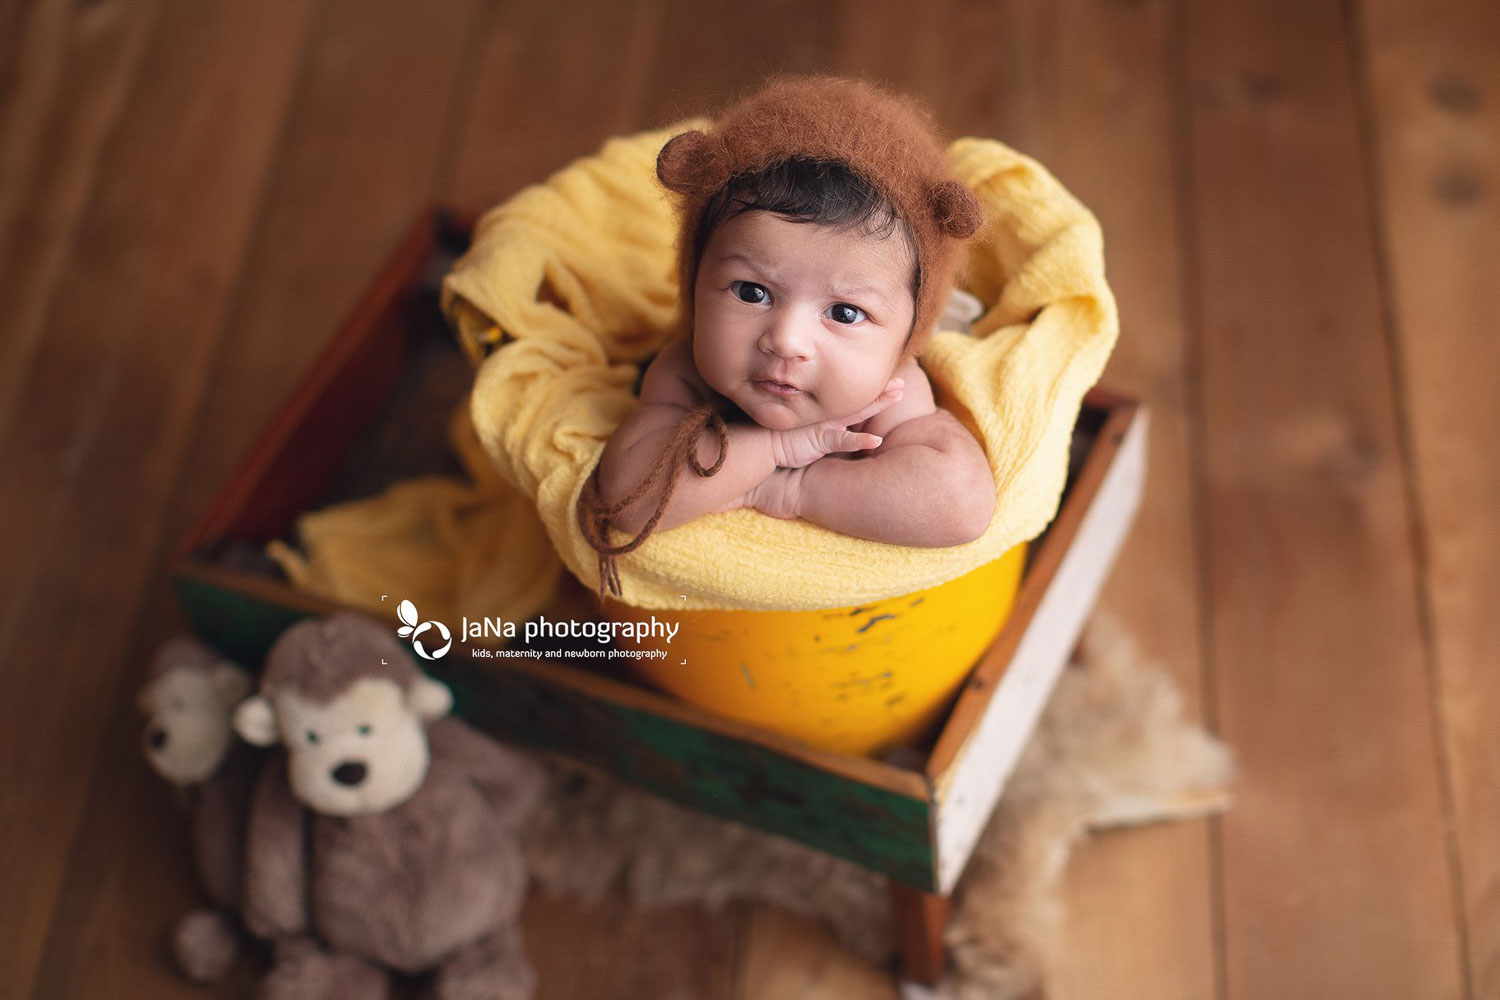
<point>797,322</point>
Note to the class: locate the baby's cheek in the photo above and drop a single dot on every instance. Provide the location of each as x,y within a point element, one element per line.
<point>844,400</point>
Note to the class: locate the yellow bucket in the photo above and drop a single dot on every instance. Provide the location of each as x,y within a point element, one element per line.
<point>856,680</point>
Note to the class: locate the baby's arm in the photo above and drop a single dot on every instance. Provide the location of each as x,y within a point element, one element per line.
<point>667,394</point>
<point>670,389</point>
<point>927,484</point>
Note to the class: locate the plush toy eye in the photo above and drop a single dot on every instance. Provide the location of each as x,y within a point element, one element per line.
<point>749,291</point>
<point>176,705</point>
<point>364,730</point>
<point>312,737</point>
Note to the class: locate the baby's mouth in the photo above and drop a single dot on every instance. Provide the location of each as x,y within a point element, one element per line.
<point>775,388</point>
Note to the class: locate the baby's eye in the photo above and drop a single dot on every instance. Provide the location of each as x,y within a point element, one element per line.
<point>843,312</point>
<point>749,291</point>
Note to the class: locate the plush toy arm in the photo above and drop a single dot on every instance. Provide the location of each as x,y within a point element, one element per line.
<point>275,897</point>
<point>218,834</point>
<point>511,780</point>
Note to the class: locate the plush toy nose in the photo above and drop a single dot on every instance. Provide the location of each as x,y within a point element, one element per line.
<point>158,739</point>
<point>350,773</point>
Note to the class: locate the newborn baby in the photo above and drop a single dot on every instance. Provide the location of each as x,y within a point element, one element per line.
<point>821,226</point>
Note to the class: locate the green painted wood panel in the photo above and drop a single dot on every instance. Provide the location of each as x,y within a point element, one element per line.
<point>712,772</point>
<point>709,771</point>
<point>242,628</point>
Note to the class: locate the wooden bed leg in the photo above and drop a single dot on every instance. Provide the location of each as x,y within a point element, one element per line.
<point>921,918</point>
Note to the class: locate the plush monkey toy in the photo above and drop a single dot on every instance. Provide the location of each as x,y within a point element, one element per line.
<point>385,840</point>
<point>188,740</point>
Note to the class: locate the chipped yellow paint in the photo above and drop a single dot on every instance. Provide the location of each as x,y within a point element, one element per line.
<point>856,680</point>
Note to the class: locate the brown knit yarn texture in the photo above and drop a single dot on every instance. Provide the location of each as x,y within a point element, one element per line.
<point>889,140</point>
<point>595,515</point>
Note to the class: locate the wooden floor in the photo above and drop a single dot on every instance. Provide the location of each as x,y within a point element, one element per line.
<point>1302,206</point>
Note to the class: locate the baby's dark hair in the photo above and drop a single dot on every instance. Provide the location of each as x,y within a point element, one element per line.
<point>802,189</point>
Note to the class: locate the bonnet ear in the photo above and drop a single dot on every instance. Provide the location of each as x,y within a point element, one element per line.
<point>955,209</point>
<point>690,164</point>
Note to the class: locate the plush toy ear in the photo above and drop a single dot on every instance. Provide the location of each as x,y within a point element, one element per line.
<point>689,164</point>
<point>955,209</point>
<point>428,698</point>
<point>231,684</point>
<point>255,721</point>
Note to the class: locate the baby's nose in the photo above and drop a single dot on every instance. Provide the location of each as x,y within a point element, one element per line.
<point>786,336</point>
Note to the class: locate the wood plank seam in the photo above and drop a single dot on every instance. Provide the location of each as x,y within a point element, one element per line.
<point>1179,100</point>
<point>461,104</point>
<point>1301,502</point>
<point>45,307</point>
<point>1368,128</point>
<point>998,737</point>
<point>165,545</point>
<point>644,46</point>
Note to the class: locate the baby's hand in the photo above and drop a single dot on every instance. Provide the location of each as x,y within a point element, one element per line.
<point>779,494</point>
<point>800,446</point>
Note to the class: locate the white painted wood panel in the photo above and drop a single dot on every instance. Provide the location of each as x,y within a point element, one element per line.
<point>986,760</point>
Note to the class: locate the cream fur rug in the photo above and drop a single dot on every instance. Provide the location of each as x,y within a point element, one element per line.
<point>1112,749</point>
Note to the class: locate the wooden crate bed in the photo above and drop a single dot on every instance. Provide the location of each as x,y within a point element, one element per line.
<point>372,410</point>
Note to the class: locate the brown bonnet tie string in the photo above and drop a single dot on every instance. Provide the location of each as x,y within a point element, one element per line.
<point>594,515</point>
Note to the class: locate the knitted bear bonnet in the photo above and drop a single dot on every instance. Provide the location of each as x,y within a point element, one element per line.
<point>888,141</point>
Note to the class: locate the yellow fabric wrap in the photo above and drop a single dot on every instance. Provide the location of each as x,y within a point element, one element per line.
<point>572,284</point>
<point>451,548</point>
